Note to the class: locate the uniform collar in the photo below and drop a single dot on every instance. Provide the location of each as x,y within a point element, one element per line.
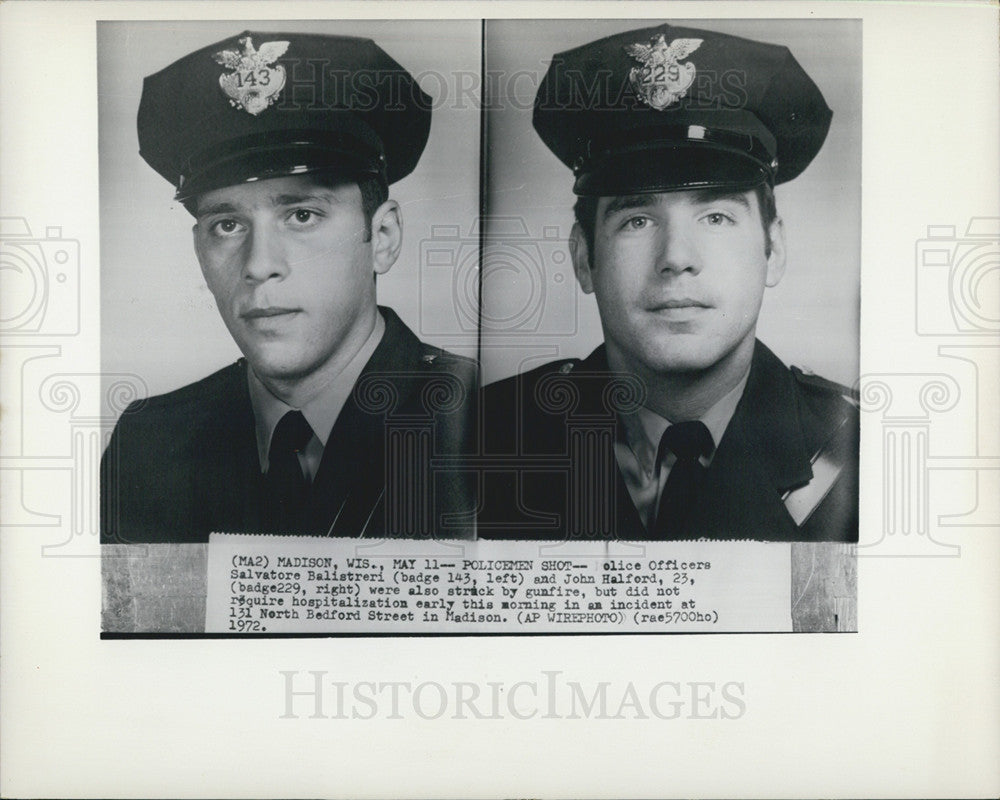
<point>644,428</point>
<point>767,429</point>
<point>322,411</point>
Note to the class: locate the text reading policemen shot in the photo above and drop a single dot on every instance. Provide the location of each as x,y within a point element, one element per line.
<point>328,424</point>
<point>682,425</point>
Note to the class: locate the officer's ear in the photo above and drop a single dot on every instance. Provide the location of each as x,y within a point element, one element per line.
<point>580,254</point>
<point>387,236</point>
<point>776,256</point>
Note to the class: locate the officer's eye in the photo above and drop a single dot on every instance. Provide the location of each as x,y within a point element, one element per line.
<point>303,216</point>
<point>225,227</point>
<point>636,223</point>
<point>717,218</point>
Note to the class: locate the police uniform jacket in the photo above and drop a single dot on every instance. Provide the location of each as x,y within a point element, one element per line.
<point>184,464</point>
<point>553,473</point>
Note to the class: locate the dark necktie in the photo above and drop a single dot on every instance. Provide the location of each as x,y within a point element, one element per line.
<point>688,441</point>
<point>286,485</point>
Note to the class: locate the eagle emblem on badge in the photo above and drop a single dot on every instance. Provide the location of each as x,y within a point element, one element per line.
<point>662,80</point>
<point>255,81</point>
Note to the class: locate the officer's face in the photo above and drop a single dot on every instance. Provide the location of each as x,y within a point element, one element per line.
<point>291,266</point>
<point>679,278</point>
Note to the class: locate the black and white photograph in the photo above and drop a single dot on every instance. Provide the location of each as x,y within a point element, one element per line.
<point>337,422</point>
<point>290,437</point>
<point>630,131</point>
<point>494,384</point>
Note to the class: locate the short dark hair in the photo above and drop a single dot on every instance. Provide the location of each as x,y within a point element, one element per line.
<point>585,211</point>
<point>374,192</point>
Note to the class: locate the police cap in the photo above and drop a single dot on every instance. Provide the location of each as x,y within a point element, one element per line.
<point>670,108</point>
<point>265,105</point>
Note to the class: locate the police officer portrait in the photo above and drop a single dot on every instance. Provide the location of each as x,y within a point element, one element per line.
<point>693,188</point>
<point>265,192</point>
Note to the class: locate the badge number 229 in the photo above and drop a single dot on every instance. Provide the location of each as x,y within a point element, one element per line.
<point>659,73</point>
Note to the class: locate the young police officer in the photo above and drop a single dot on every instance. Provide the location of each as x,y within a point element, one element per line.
<point>682,425</point>
<point>282,147</point>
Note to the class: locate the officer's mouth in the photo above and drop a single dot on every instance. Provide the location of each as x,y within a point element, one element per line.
<point>678,311</point>
<point>677,304</point>
<point>268,315</point>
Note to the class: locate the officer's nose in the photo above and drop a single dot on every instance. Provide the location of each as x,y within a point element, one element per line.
<point>263,255</point>
<point>677,251</point>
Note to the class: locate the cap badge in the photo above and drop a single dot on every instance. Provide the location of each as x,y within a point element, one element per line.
<point>662,80</point>
<point>254,83</point>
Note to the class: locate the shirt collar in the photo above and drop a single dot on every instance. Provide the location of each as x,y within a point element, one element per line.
<point>321,412</point>
<point>644,428</point>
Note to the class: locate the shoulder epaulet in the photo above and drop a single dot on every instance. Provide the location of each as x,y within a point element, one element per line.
<point>564,366</point>
<point>812,381</point>
<point>528,379</point>
<point>436,358</point>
